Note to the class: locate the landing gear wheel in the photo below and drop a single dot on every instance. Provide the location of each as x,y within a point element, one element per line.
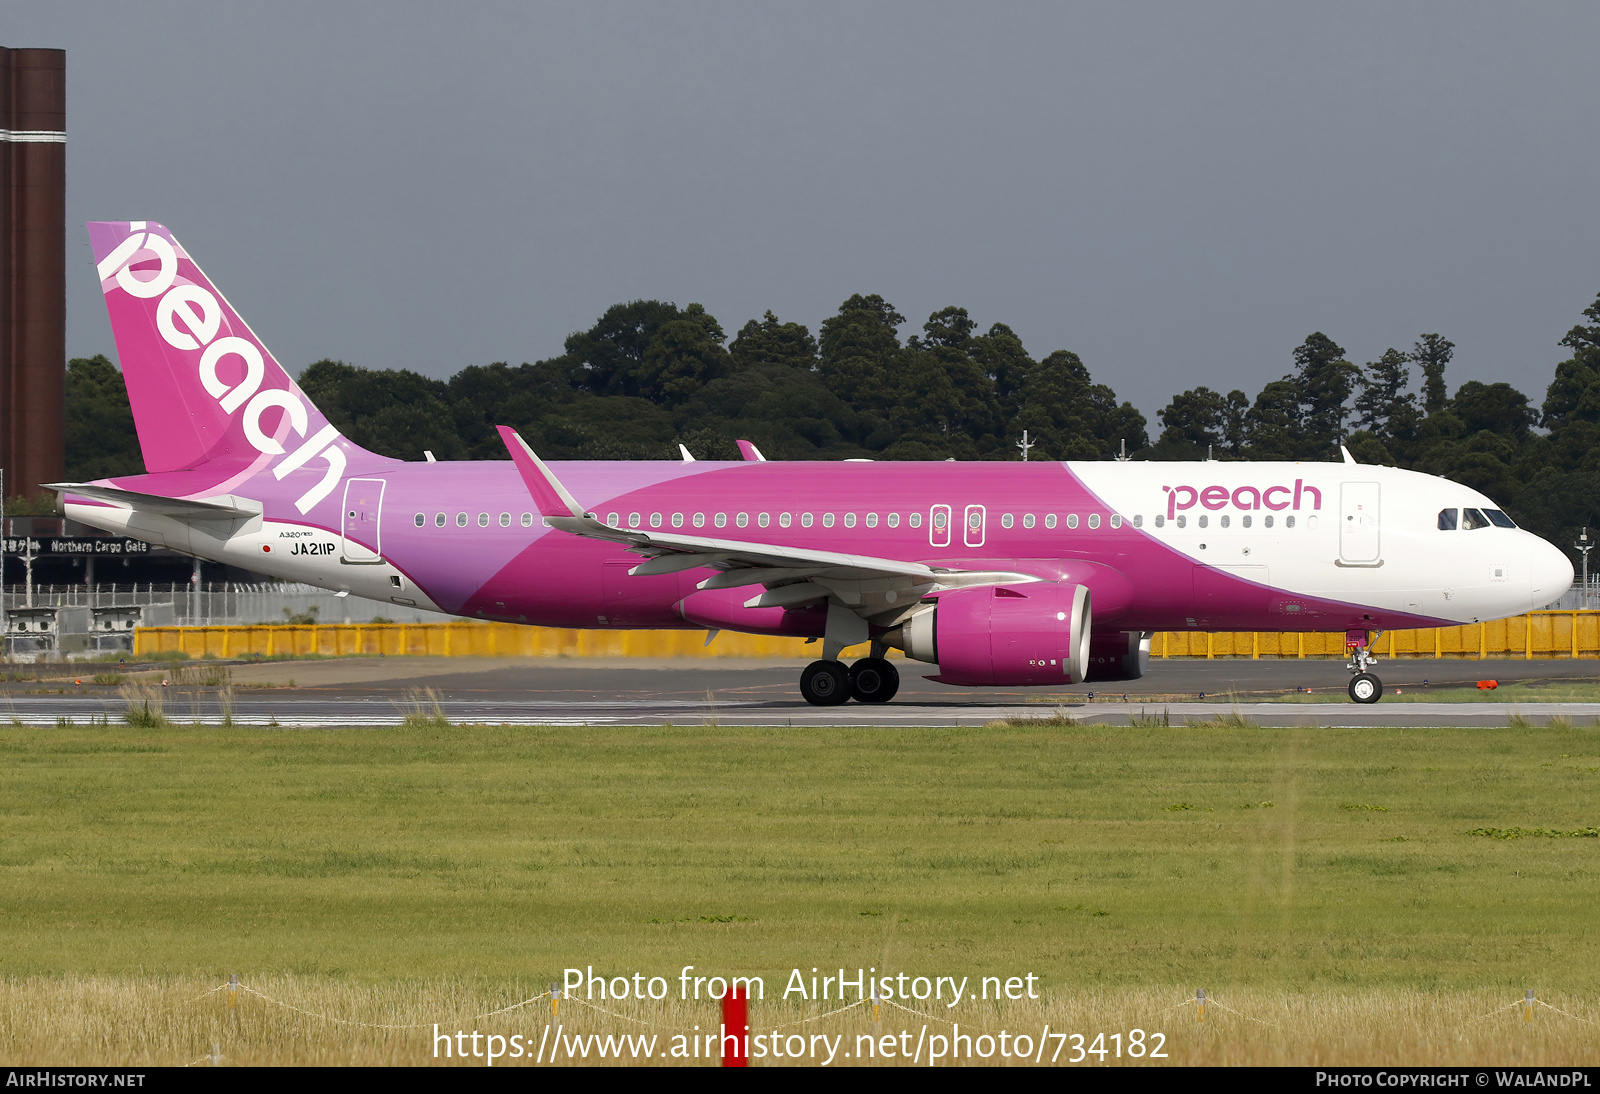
<point>825,684</point>
<point>1366,688</point>
<point>874,680</point>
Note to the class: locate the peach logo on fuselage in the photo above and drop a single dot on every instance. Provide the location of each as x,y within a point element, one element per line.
<point>1247,498</point>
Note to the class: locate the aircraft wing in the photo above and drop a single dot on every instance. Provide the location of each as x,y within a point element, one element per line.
<point>869,584</point>
<point>224,508</point>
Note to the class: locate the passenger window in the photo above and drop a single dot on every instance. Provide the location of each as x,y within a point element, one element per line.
<point>655,520</point>
<point>699,520</point>
<point>1138,520</point>
<point>722,520</point>
<point>677,520</point>
<point>1050,520</point>
<point>1499,518</point>
<point>1072,520</point>
<point>1472,520</point>
<point>805,520</point>
<point>1447,520</point>
<point>461,520</point>
<point>633,520</point>
<point>1267,520</point>
<point>1183,521</point>
<point>914,520</point>
<point>505,520</point>
<point>784,520</point>
<point>827,520</point>
<point>1204,520</point>
<point>1161,521</point>
<point>422,519</point>
<point>1094,520</point>
<point>438,520</point>
<point>1288,521</point>
<point>764,519</point>
<point>1027,520</point>
<point>483,520</point>
<point>1224,521</point>
<point>742,520</point>
<point>1005,520</point>
<point>892,520</point>
<point>872,520</point>
<point>939,519</point>
<point>1245,520</point>
<point>613,520</point>
<point>849,520</point>
<point>1116,520</point>
<point>527,520</point>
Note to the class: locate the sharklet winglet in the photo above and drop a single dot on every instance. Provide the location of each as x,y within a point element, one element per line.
<point>552,498</point>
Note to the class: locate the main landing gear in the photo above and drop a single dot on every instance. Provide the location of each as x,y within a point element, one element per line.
<point>869,680</point>
<point>1365,687</point>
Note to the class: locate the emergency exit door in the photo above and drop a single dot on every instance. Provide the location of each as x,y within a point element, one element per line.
<point>1359,524</point>
<point>363,506</point>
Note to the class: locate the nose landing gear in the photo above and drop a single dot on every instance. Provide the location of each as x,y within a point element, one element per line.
<point>1365,687</point>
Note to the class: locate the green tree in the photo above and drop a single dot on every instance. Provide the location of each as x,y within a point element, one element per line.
<point>1326,381</point>
<point>1386,411</point>
<point>1433,354</point>
<point>100,437</point>
<point>1275,422</point>
<point>858,347</point>
<point>770,342</point>
<point>1193,425</point>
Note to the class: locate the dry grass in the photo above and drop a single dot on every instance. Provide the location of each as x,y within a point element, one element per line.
<point>422,710</point>
<point>145,706</point>
<point>146,1022</point>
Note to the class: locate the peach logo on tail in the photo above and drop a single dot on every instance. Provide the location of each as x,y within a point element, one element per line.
<point>189,318</point>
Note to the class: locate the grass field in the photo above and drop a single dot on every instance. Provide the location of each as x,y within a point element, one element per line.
<point>421,873</point>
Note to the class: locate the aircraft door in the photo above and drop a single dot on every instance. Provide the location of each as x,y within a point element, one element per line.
<point>972,531</point>
<point>363,506</point>
<point>939,526</point>
<point>1359,525</point>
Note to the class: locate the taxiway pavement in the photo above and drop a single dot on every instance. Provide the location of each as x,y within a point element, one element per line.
<point>380,691</point>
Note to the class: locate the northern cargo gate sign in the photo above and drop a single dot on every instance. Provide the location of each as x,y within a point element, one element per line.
<point>41,546</point>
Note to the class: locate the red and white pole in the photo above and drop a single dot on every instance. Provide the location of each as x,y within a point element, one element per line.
<point>735,1021</point>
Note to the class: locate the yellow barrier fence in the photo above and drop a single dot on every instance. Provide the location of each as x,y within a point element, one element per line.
<point>1535,635</point>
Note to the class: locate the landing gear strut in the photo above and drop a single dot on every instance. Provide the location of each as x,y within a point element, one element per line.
<point>1365,687</point>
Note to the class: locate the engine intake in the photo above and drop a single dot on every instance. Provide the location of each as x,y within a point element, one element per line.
<point>1002,635</point>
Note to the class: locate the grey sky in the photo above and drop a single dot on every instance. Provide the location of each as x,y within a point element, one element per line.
<point>1179,192</point>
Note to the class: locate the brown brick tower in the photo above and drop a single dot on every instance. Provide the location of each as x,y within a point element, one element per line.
<point>33,248</point>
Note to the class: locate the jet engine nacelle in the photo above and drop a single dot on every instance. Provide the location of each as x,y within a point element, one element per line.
<point>1118,655</point>
<point>1002,635</point>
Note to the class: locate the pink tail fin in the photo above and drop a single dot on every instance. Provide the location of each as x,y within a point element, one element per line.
<point>205,392</point>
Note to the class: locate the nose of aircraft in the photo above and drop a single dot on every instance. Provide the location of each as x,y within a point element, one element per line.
<point>1549,572</point>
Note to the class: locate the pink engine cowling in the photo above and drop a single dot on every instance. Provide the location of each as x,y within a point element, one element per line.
<point>1003,635</point>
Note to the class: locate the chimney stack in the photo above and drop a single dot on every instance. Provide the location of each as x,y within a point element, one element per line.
<point>33,284</point>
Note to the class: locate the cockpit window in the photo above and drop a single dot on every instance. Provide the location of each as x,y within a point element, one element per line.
<point>1447,520</point>
<point>1472,519</point>
<point>1500,519</point>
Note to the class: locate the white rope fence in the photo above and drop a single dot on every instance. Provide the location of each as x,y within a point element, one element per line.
<point>556,996</point>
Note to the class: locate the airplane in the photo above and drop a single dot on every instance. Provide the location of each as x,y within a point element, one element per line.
<point>1037,573</point>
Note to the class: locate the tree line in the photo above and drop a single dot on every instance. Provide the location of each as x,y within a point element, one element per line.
<point>649,375</point>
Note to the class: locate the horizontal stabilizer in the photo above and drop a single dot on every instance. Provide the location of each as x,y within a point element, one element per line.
<point>224,508</point>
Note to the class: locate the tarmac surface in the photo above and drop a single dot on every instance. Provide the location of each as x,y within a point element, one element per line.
<point>598,692</point>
